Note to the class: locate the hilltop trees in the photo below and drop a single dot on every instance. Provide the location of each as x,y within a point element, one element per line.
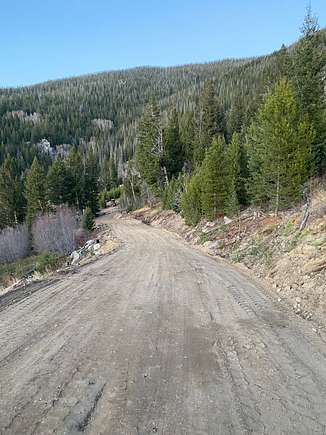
<point>309,72</point>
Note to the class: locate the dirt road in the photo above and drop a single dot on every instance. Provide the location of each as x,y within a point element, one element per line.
<point>157,338</point>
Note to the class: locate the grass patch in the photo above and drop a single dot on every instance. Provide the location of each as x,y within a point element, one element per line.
<point>45,262</point>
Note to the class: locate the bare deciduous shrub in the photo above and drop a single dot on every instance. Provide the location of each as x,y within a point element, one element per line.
<point>81,237</point>
<point>55,232</point>
<point>14,243</point>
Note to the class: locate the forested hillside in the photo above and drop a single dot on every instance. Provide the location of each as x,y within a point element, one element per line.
<point>205,139</point>
<point>104,108</point>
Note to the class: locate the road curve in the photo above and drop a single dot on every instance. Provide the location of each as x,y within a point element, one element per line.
<point>157,338</point>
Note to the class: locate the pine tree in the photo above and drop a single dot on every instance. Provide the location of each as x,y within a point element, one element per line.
<point>191,206</point>
<point>59,183</point>
<point>279,142</point>
<point>309,70</point>
<point>88,222</point>
<point>149,150</point>
<point>90,182</point>
<point>237,160</point>
<point>75,172</point>
<point>35,191</point>
<point>173,155</point>
<point>284,63</point>
<point>235,184</point>
<point>11,198</point>
<point>214,180</point>
<point>211,122</point>
<point>187,135</point>
<point>109,174</point>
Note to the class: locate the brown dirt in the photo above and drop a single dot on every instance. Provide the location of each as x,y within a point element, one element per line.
<point>157,338</point>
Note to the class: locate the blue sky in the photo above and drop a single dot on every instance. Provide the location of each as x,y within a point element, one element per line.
<point>48,39</point>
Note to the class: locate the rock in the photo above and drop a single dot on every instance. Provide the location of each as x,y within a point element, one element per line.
<point>75,256</point>
<point>96,246</point>
<point>298,300</point>
<point>89,243</point>
<point>227,220</point>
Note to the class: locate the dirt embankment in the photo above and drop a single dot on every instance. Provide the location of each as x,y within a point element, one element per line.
<point>291,261</point>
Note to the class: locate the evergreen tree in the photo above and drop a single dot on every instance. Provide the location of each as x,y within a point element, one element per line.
<point>149,150</point>
<point>214,180</point>
<point>284,63</point>
<point>238,168</point>
<point>90,182</point>
<point>235,184</point>
<point>11,198</point>
<point>210,123</point>
<point>88,222</point>
<point>309,70</point>
<point>35,191</point>
<point>75,173</point>
<point>191,206</point>
<point>173,155</point>
<point>187,135</point>
<point>279,143</point>
<point>59,183</point>
<point>109,174</point>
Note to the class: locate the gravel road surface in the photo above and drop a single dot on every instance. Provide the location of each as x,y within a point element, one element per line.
<point>157,338</point>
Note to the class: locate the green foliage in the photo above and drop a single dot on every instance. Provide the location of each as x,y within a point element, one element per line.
<point>214,180</point>
<point>90,182</point>
<point>102,198</point>
<point>191,200</point>
<point>115,192</point>
<point>35,191</point>
<point>48,261</point>
<point>149,151</point>
<point>41,263</point>
<point>108,174</point>
<point>172,194</point>
<point>279,143</point>
<point>12,204</point>
<point>173,152</point>
<point>211,122</point>
<point>88,222</point>
<point>236,192</point>
<point>309,73</point>
<point>75,171</point>
<point>107,195</point>
<point>59,183</point>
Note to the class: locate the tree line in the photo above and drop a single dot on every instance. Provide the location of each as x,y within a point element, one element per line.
<point>211,161</point>
<point>75,181</point>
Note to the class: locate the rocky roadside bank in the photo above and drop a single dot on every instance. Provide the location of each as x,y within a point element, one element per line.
<point>288,260</point>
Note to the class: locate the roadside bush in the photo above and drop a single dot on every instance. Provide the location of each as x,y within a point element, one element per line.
<point>55,232</point>
<point>114,193</point>
<point>102,198</point>
<point>14,243</point>
<point>171,197</point>
<point>48,261</point>
<point>88,222</point>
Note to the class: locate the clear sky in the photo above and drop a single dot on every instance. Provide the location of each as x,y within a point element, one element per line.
<point>48,39</point>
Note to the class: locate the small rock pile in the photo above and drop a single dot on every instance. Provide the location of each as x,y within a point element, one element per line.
<point>90,248</point>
